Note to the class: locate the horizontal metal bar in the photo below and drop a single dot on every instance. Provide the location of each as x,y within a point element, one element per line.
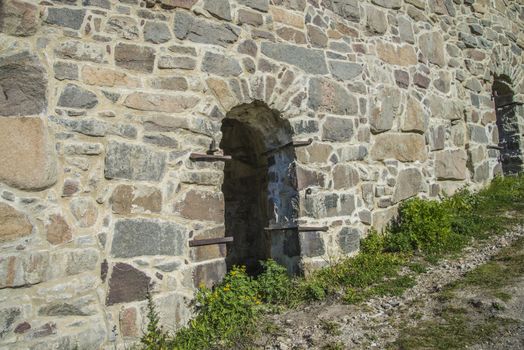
<point>291,143</point>
<point>298,228</point>
<point>495,147</point>
<point>208,157</point>
<point>210,241</point>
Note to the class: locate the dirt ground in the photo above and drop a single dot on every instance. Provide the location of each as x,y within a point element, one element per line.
<point>472,302</point>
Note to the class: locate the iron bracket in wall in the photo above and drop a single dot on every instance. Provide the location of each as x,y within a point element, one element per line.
<point>208,157</point>
<point>495,147</point>
<point>298,228</point>
<point>292,143</point>
<point>210,241</point>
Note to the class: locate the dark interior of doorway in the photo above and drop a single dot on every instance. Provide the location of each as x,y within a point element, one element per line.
<point>507,124</point>
<point>259,188</point>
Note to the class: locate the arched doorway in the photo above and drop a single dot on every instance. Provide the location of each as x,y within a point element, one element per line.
<point>508,125</point>
<point>260,191</point>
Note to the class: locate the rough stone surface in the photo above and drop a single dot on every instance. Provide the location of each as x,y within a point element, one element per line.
<point>84,210</point>
<point>74,96</point>
<point>451,165</point>
<point>23,85</point>
<point>65,17</point>
<point>218,8</point>
<point>410,182</point>
<point>127,284</point>
<point>432,46</point>
<point>19,18</point>
<point>138,237</point>
<point>128,199</point>
<point>309,60</point>
<point>385,109</point>
<point>201,205</point>
<point>337,129</point>
<point>58,230</point>
<point>156,32</point>
<point>220,65</point>
<point>203,31</point>
<point>403,147</point>
<point>133,162</point>
<point>349,240</point>
<point>345,70</point>
<point>28,158</point>
<point>328,96</point>
<point>13,223</point>
<point>134,57</point>
<point>160,102</point>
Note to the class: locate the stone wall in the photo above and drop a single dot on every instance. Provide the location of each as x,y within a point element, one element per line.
<point>103,101</point>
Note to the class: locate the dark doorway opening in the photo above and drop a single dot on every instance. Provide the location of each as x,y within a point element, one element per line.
<point>508,126</point>
<point>259,188</point>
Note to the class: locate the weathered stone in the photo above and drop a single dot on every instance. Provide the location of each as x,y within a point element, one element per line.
<point>65,17</point>
<point>58,230</point>
<point>316,36</point>
<point>310,60</point>
<point>218,8</point>
<point>403,55</point>
<point>203,31</point>
<point>405,29</point>
<point>443,83</point>
<point>414,119</point>
<point>8,317</point>
<point>327,205</point>
<point>337,129</point>
<point>127,284</point>
<point>156,32</point>
<point>209,274</point>
<point>23,85</point>
<point>60,309</point>
<point>385,109</point>
<point>220,65</point>
<point>445,108</point>
<point>345,70</point>
<point>81,51</point>
<point>381,218</point>
<point>349,240</point>
<point>389,4</point>
<point>436,137</point>
<point>125,27</point>
<point>170,4</point>
<point>160,103</point>
<point>128,199</point>
<point>307,178</point>
<point>292,35</point>
<point>139,237</point>
<point>450,164</point>
<point>97,3</point>
<point>347,9</point>
<point>74,96</point>
<point>477,133</point>
<point>402,78</point>
<point>65,70</point>
<point>81,260</point>
<point>250,17</point>
<point>108,77</point>
<point>260,5</point>
<point>410,182</point>
<point>28,158</point>
<point>286,17</point>
<point>421,80</point>
<point>133,57</point>
<point>128,325</point>
<point>248,47</point>
<point>170,62</point>
<point>345,176</point>
<point>481,172</point>
<point>402,147</point>
<point>19,18</point>
<point>432,47</point>
<point>13,223</point>
<point>84,210</point>
<point>328,96</point>
<point>376,21</point>
<point>134,162</point>
<point>201,205</point>
<point>311,244</point>
<point>170,83</point>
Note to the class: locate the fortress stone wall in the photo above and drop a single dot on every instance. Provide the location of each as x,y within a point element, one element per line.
<point>118,119</point>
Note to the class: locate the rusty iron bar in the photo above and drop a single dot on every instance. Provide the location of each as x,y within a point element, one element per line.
<point>210,241</point>
<point>495,147</point>
<point>291,143</point>
<point>208,157</point>
<point>298,228</point>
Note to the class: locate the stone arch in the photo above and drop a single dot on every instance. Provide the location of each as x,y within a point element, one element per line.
<point>260,189</point>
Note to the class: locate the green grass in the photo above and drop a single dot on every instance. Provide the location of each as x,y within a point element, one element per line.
<point>228,315</point>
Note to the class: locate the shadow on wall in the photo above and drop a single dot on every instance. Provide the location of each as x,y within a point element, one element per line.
<point>508,126</point>
<point>260,189</point>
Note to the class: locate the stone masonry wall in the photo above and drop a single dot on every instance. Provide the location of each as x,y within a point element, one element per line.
<point>103,101</point>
